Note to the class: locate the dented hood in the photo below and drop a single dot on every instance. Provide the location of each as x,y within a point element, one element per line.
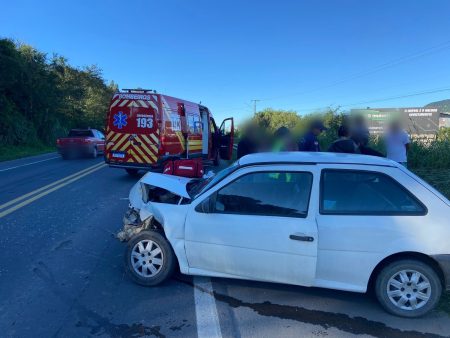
<point>174,184</point>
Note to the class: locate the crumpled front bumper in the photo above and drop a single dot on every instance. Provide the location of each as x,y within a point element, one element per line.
<point>132,225</point>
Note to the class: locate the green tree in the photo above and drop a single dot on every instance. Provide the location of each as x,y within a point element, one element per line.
<point>271,119</point>
<point>42,98</point>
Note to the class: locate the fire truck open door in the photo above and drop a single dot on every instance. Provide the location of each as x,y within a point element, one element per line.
<point>226,138</point>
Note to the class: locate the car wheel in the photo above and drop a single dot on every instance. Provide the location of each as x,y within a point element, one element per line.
<point>149,258</point>
<point>94,153</point>
<point>132,172</point>
<point>408,288</point>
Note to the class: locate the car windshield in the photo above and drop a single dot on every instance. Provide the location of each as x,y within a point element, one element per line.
<point>196,188</point>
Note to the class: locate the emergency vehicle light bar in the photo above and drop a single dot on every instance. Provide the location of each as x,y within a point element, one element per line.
<point>139,90</point>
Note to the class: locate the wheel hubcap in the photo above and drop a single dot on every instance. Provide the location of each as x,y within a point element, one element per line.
<point>147,258</point>
<point>409,290</point>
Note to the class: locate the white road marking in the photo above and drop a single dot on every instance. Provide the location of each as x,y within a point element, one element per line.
<point>24,165</point>
<point>208,325</point>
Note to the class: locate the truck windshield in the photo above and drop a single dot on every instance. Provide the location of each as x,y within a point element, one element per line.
<point>201,186</point>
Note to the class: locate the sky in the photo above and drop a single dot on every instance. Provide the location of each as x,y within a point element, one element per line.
<point>299,55</point>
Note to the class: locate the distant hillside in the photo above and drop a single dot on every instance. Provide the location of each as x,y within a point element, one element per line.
<point>443,105</point>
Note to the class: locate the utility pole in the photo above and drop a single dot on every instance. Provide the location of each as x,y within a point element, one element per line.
<point>254,105</point>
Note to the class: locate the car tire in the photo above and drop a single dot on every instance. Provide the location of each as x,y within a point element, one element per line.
<point>149,258</point>
<point>408,288</point>
<point>132,172</point>
<point>94,153</point>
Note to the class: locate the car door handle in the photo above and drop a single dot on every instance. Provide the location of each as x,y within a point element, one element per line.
<point>301,237</point>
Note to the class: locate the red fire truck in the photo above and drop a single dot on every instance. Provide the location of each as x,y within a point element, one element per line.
<point>145,130</point>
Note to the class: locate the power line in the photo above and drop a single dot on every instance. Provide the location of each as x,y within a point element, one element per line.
<point>424,92</point>
<point>424,52</point>
<point>431,91</point>
<point>428,51</point>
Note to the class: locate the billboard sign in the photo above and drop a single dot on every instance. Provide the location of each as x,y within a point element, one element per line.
<point>416,121</point>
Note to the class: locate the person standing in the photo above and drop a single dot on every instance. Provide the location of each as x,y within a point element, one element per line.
<point>283,140</point>
<point>248,143</point>
<point>344,144</point>
<point>360,135</point>
<point>309,141</point>
<point>360,132</point>
<point>397,143</point>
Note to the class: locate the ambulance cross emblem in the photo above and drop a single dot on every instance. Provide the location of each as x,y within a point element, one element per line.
<point>120,120</point>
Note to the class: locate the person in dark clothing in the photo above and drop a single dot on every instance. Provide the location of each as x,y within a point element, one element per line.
<point>360,135</point>
<point>344,144</point>
<point>247,144</point>
<point>365,150</point>
<point>309,141</point>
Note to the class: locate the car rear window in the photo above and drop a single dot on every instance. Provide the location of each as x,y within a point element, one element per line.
<point>365,192</point>
<point>81,133</point>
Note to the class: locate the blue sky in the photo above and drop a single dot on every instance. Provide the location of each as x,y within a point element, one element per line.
<point>299,55</point>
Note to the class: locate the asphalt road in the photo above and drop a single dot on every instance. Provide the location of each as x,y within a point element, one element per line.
<point>62,274</point>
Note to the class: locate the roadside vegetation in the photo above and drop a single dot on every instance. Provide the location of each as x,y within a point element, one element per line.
<point>13,152</point>
<point>42,97</point>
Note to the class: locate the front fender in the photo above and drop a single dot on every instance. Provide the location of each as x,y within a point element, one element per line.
<point>172,218</point>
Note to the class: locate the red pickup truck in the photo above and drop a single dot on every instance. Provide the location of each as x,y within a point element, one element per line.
<point>81,142</point>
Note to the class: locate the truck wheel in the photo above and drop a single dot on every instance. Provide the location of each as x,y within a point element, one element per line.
<point>408,288</point>
<point>149,258</point>
<point>94,153</point>
<point>132,172</point>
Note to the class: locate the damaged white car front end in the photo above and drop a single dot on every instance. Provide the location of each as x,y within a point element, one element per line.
<point>156,200</point>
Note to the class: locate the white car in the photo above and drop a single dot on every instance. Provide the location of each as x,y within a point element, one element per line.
<point>338,221</point>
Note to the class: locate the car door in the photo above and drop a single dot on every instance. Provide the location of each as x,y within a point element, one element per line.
<point>226,139</point>
<point>258,223</point>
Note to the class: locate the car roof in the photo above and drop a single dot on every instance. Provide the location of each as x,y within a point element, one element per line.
<point>314,158</point>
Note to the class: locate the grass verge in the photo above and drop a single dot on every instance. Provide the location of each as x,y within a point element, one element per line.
<point>14,152</point>
<point>440,179</point>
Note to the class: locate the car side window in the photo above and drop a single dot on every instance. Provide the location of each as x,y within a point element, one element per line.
<point>266,193</point>
<point>367,193</point>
